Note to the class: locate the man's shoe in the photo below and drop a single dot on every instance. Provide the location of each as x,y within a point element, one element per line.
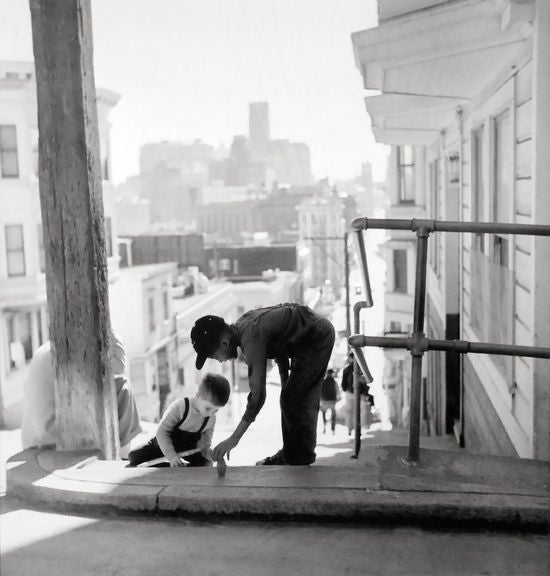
<point>275,460</point>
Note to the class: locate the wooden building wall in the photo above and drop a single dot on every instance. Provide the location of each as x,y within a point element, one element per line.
<point>511,401</point>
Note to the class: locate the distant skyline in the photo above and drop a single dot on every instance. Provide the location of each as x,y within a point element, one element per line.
<point>188,70</point>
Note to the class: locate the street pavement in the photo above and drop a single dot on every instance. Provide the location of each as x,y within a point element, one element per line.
<point>44,543</point>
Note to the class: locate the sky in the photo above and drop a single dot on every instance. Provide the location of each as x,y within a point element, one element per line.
<point>187,69</point>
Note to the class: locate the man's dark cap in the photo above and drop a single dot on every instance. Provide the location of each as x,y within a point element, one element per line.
<point>205,337</point>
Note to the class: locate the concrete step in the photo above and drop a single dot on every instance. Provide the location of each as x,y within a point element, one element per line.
<point>444,487</point>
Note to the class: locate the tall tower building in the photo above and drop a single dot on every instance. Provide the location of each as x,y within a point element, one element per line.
<point>258,126</point>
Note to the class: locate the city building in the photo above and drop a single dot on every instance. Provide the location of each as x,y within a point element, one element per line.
<point>218,299</point>
<point>321,248</point>
<point>269,289</point>
<point>226,222</point>
<point>23,309</point>
<point>258,128</point>
<point>133,213</point>
<point>261,160</point>
<point>463,90</point>
<point>184,249</point>
<point>232,261</point>
<point>140,301</point>
<point>171,178</point>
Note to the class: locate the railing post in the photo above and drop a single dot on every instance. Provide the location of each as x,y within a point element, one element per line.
<point>356,395</point>
<point>346,264</point>
<point>418,334</point>
<point>358,225</point>
<point>418,344</point>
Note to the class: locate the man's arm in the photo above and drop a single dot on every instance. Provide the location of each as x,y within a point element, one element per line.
<point>229,443</point>
<point>256,360</point>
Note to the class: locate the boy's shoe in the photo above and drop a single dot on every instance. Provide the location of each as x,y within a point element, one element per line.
<point>277,459</point>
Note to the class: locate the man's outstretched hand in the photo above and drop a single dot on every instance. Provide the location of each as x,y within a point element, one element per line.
<point>224,448</point>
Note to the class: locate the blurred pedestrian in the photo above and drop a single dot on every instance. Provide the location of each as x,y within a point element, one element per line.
<point>347,388</point>
<point>329,397</point>
<point>366,399</point>
<point>38,427</point>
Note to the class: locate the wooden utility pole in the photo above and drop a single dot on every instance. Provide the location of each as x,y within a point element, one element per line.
<point>73,226</point>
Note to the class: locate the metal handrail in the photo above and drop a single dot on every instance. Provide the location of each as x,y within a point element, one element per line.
<point>417,343</point>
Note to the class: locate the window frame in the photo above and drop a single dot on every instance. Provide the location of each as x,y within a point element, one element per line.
<point>109,236</point>
<point>500,246</point>
<point>404,194</point>
<point>18,249</point>
<point>401,287</point>
<point>7,151</point>
<point>151,313</point>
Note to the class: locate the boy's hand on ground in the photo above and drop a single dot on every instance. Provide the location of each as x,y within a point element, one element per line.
<point>176,462</point>
<point>224,448</point>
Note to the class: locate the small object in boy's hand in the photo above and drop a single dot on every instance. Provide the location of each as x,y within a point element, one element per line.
<point>222,467</point>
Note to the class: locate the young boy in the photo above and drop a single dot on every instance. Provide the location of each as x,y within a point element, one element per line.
<point>187,424</point>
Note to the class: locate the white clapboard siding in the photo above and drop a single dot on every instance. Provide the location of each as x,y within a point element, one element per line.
<point>524,121</point>
<point>524,303</point>
<point>524,83</point>
<point>523,335</point>
<point>523,401</point>
<point>523,158</point>
<point>524,243</point>
<point>524,196</point>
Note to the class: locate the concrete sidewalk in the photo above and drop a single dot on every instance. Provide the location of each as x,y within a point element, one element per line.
<point>447,487</point>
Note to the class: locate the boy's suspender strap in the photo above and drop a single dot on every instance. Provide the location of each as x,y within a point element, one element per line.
<point>185,412</point>
<point>204,424</point>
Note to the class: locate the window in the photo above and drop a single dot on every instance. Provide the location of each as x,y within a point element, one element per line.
<point>15,250</point>
<point>109,237</point>
<point>25,333</point>
<point>503,167</point>
<point>34,143</point>
<point>9,166</point>
<point>41,254</point>
<point>395,327</point>
<point>40,327</point>
<point>435,239</point>
<point>405,169</point>
<point>105,168</point>
<point>165,305</point>
<point>151,306</point>
<point>400,271</point>
<point>478,188</point>
<point>453,168</point>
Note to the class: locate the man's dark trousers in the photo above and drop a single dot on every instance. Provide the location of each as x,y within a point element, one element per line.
<point>301,393</point>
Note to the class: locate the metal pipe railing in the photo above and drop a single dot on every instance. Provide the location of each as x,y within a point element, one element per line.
<point>359,224</point>
<point>460,346</point>
<point>418,344</point>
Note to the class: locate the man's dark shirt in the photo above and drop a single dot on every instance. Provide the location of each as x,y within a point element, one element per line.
<point>276,332</point>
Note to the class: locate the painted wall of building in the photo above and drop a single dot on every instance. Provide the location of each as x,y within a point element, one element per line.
<point>23,308</point>
<point>480,117</point>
